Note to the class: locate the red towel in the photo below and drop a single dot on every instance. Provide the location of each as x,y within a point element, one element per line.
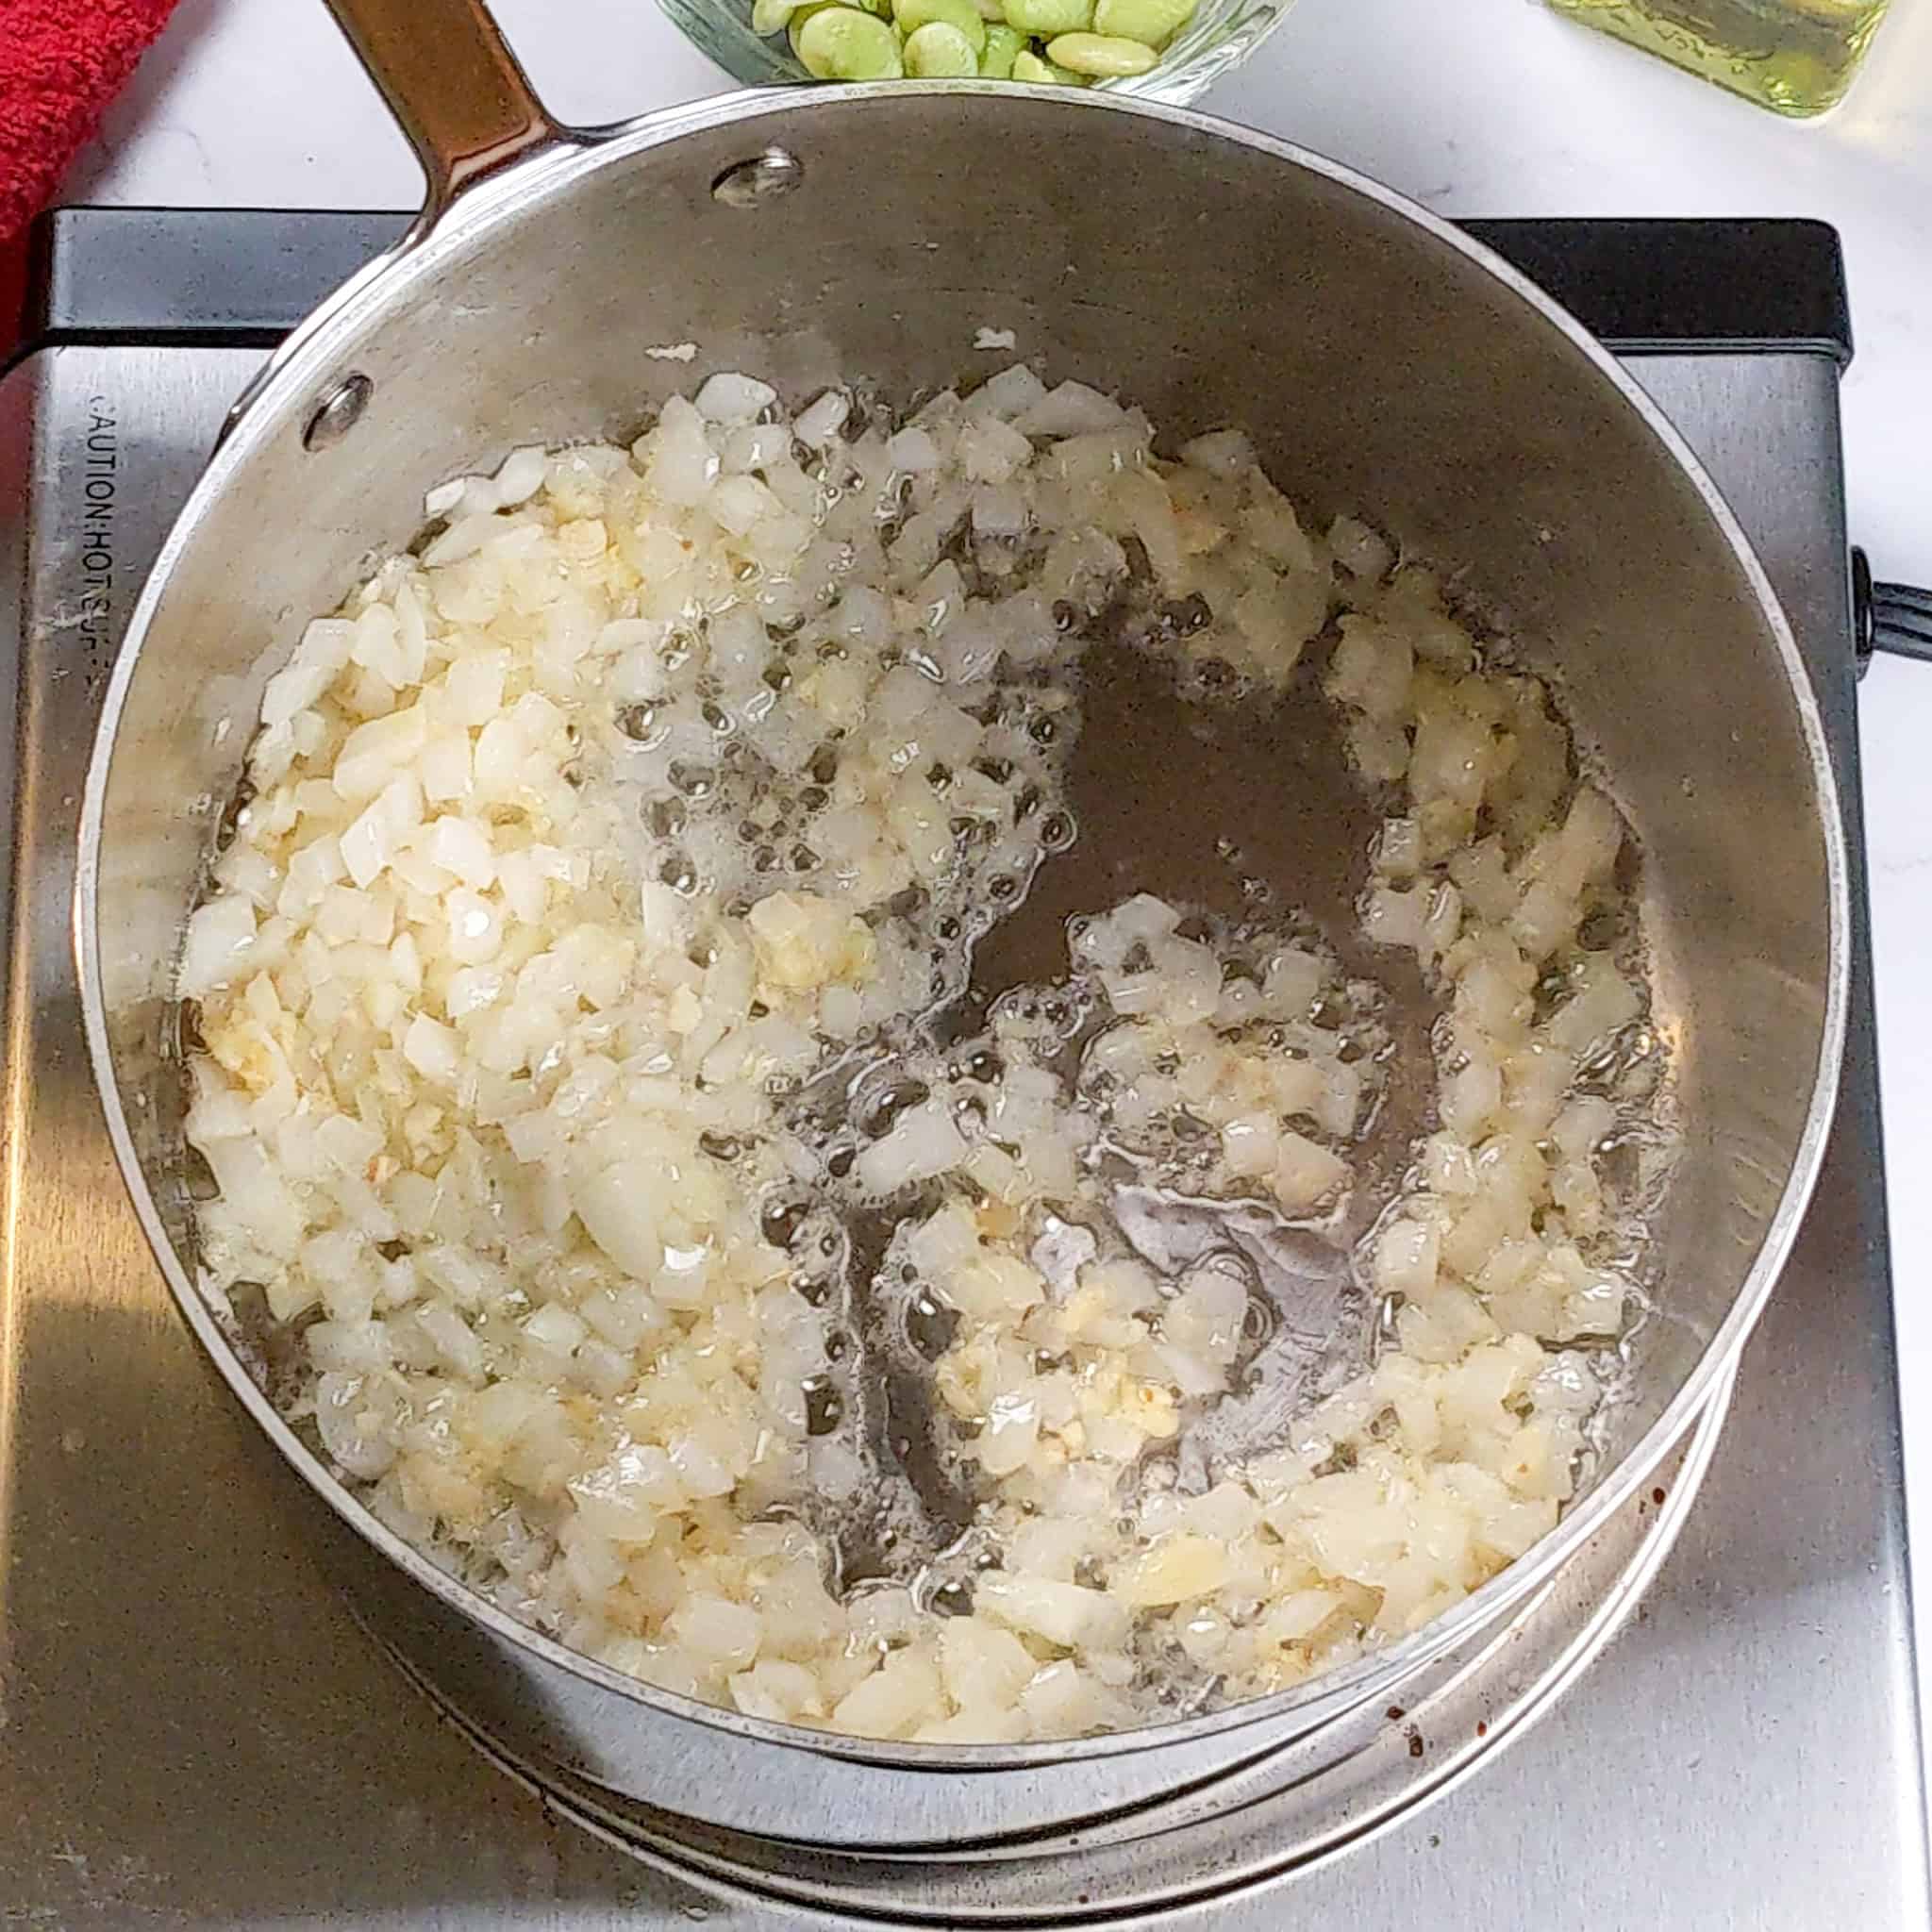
<point>61,61</point>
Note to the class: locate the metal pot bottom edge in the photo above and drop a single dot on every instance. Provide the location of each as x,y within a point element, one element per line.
<point>1310,1801</point>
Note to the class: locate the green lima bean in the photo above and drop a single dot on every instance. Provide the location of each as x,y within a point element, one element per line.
<point>939,51</point>
<point>1153,23</point>
<point>843,43</point>
<point>1004,45</point>
<point>1045,42</point>
<point>1100,54</point>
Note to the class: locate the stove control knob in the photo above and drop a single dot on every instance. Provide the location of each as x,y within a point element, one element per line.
<point>1888,617</point>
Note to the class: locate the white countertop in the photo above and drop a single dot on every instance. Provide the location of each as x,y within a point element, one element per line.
<point>1478,106</point>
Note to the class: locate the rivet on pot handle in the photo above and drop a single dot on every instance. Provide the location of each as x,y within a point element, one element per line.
<point>452,84</point>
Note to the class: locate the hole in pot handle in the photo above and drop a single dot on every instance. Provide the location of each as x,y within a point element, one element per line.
<point>453,85</point>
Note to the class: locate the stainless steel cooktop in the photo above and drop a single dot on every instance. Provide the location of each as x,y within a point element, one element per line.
<point>195,1731</point>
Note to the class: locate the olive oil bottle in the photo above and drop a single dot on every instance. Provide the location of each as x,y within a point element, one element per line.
<point>1796,56</point>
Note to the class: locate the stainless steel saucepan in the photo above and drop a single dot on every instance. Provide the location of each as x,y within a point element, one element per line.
<point>1379,357</point>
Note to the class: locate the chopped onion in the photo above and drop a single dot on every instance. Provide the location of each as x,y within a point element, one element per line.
<point>566,1000</point>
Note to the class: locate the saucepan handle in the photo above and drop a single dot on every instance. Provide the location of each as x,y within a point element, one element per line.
<point>452,83</point>
<point>1889,617</point>
<point>458,95</point>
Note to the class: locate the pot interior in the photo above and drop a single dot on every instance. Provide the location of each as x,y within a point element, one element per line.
<point>1213,280</point>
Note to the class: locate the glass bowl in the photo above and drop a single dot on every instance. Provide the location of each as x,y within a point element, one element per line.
<point>1221,36</point>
